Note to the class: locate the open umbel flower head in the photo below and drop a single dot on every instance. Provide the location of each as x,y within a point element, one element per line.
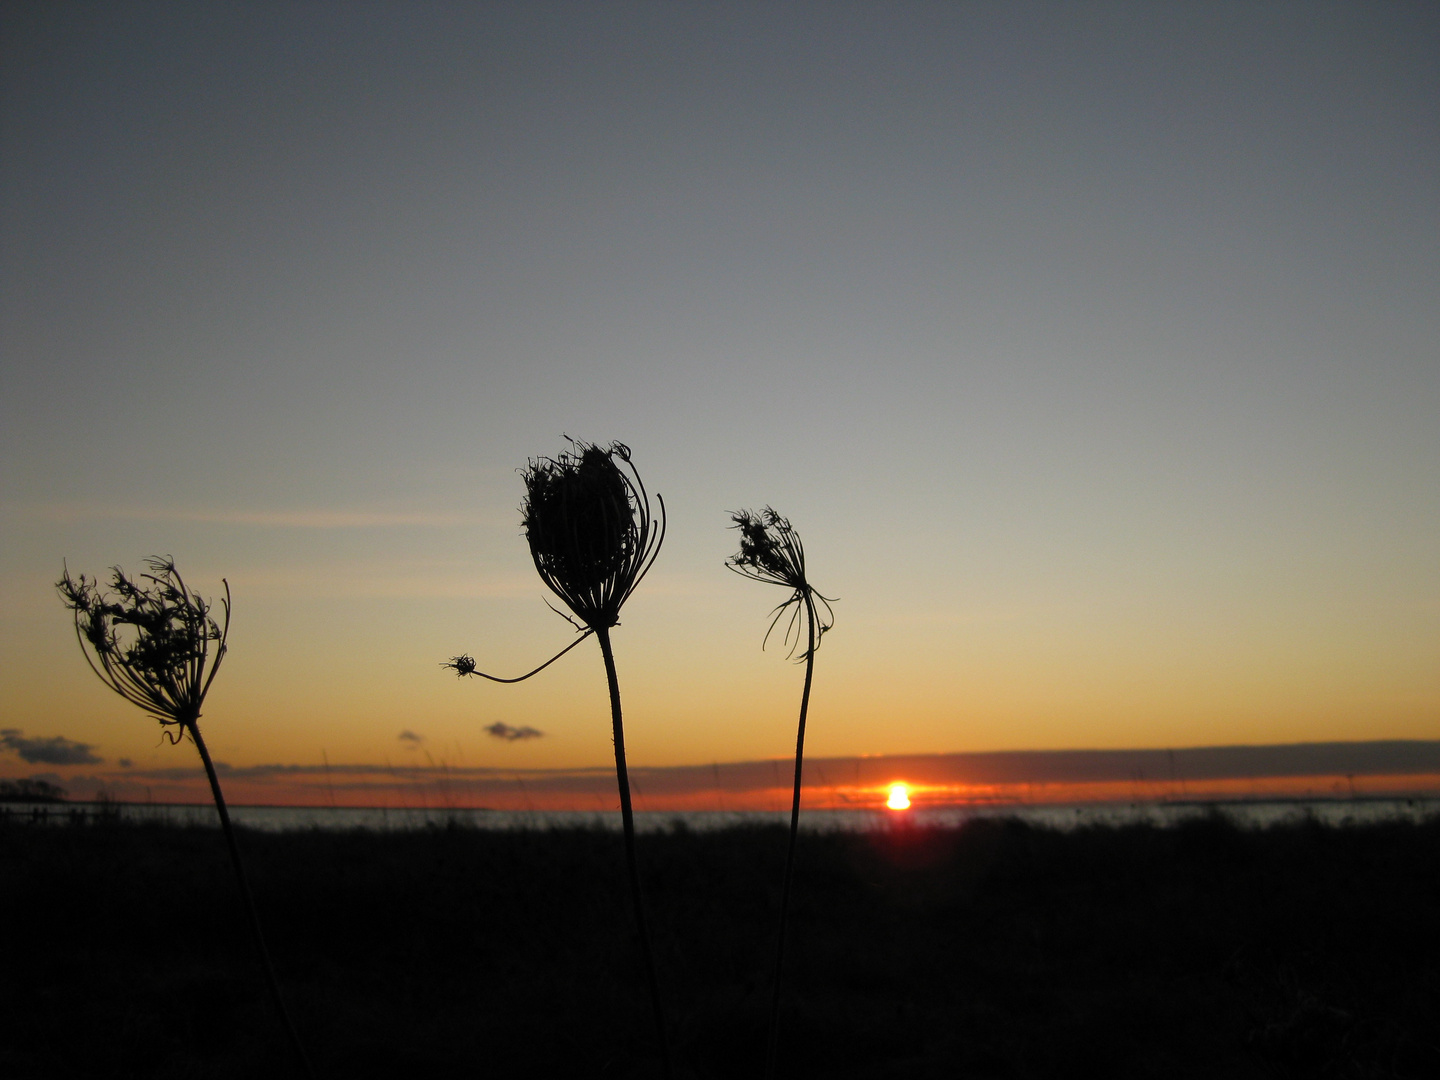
<point>152,641</point>
<point>771,551</point>
<point>587,519</point>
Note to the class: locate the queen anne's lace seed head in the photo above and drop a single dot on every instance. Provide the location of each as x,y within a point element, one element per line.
<point>150,639</point>
<point>771,551</point>
<point>587,518</point>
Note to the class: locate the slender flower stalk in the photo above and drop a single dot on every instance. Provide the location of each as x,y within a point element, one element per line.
<point>771,552</point>
<point>593,538</point>
<point>151,642</point>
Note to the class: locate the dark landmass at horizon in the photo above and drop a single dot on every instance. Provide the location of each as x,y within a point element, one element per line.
<point>1376,758</point>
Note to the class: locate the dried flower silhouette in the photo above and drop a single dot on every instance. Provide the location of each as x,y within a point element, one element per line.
<point>159,646</point>
<point>593,539</point>
<point>150,643</point>
<point>771,552</point>
<point>592,536</point>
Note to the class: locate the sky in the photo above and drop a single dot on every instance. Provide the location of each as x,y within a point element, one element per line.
<point>1092,350</point>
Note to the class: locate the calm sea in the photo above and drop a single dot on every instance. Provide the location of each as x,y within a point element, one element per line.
<point>1248,814</point>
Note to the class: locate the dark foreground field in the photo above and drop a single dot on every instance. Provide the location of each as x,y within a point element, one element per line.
<point>996,950</point>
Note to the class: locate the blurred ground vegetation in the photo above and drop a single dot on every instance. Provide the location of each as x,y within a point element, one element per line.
<point>993,950</point>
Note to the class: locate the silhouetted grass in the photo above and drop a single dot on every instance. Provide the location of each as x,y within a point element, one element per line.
<point>994,950</point>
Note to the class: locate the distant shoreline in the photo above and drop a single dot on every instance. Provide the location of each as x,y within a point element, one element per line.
<point>1261,814</point>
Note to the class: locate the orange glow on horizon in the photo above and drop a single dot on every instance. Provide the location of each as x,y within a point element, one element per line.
<point>594,790</point>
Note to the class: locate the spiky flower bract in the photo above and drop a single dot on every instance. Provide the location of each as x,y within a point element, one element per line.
<point>150,641</point>
<point>771,552</point>
<point>591,533</point>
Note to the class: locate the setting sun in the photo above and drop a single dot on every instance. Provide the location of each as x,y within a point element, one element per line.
<point>899,797</point>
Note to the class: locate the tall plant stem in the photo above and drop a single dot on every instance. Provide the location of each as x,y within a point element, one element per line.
<point>194,729</point>
<point>627,818</point>
<point>794,832</point>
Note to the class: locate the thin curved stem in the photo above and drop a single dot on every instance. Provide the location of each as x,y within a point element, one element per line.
<point>771,1053</point>
<point>627,817</point>
<point>528,674</point>
<point>250,912</point>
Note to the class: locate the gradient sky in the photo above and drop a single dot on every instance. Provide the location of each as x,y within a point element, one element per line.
<point>1094,350</point>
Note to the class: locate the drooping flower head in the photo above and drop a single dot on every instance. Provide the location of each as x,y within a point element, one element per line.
<point>771,551</point>
<point>587,519</point>
<point>150,640</point>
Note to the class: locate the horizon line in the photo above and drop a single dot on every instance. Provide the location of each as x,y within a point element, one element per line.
<point>1288,770</point>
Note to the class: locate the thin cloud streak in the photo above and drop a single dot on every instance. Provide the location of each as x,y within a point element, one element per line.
<point>270,519</point>
<point>380,579</point>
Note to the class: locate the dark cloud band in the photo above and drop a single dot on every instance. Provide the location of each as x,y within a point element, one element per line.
<point>55,750</point>
<point>511,734</point>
